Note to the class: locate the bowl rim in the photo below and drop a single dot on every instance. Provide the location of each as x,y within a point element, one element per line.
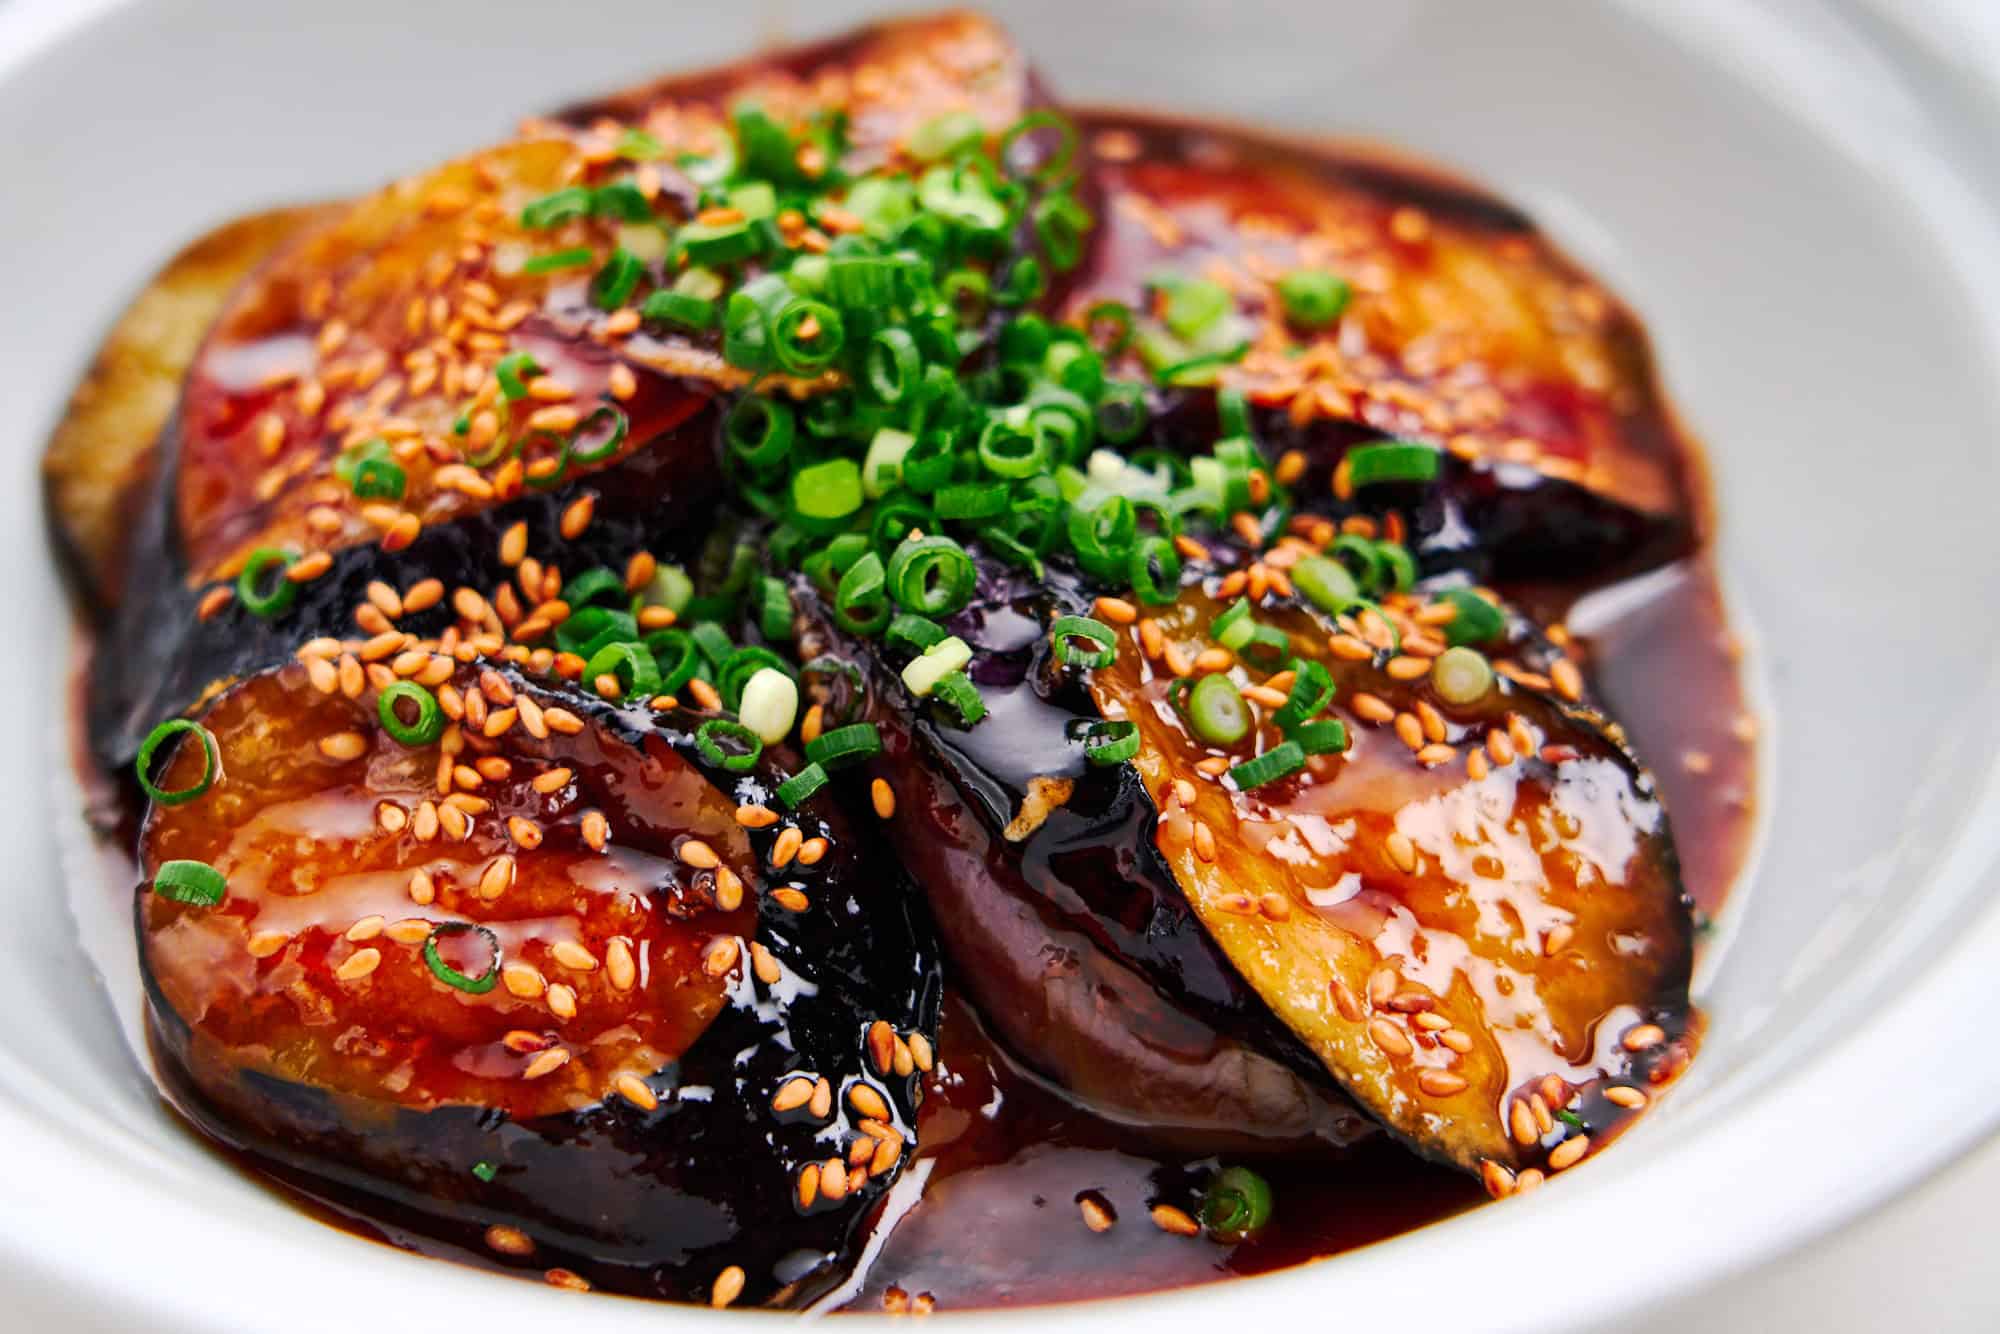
<point>1731,1180</point>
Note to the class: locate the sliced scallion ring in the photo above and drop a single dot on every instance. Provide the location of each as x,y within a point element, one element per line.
<point>1280,761</point>
<point>211,762</point>
<point>957,690</point>
<point>1392,461</point>
<point>272,597</point>
<point>1068,629</point>
<point>709,739</point>
<point>190,882</point>
<point>843,746</point>
<point>428,725</point>
<point>451,977</point>
<point>801,785</point>
<point>1111,741</point>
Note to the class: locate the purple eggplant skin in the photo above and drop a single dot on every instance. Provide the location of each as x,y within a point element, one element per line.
<point>1072,938</point>
<point>648,1203</point>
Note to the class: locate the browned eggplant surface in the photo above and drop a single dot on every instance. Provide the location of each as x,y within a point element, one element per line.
<point>1455,322</point>
<point>575,1013</point>
<point>101,453</point>
<point>816,659</point>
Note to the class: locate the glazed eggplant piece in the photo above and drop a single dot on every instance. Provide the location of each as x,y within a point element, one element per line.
<point>1531,946</point>
<point>1375,298</point>
<point>1062,921</point>
<point>100,455</point>
<point>403,372</point>
<point>1466,900</point>
<point>583,1015</point>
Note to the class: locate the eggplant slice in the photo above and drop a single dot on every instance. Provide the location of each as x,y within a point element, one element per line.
<point>1456,943</point>
<point>382,329</point>
<point>1060,916</point>
<point>1465,328</point>
<point>548,1018</point>
<point>102,451</point>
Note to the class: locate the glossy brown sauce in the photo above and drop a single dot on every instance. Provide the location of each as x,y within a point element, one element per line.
<point>1003,1158</point>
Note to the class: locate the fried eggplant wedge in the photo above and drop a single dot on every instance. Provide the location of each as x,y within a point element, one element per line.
<point>1352,297</point>
<point>1466,912</point>
<point>1061,918</point>
<point>471,339</point>
<point>101,453</point>
<point>580,1013</point>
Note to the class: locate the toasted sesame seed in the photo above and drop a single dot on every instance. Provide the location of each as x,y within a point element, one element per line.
<point>764,964</point>
<point>1521,1122</point>
<point>881,1046</point>
<point>391,817</point>
<point>1401,851</point>
<point>920,1051</point>
<point>509,1240</point>
<point>1441,1083</point>
<point>698,854</point>
<point>263,944</point>
<point>1557,938</point>
<point>791,899</point>
<point>1529,1179</point>
<point>1643,1036</point>
<point>1097,1216</point>
<point>343,746</point>
<point>756,817</point>
<point>367,928</point>
<point>884,798</point>
<point>720,956</point>
<point>808,1185</point>
<point>728,1284</point>
<point>496,879</point>
<point>1345,1000</point>
<point>1538,1105</point>
<point>833,1183</point>
<point>1169,1219</point>
<point>794,1093</point>
<point>866,1101</point>
<point>596,830</point>
<point>213,601</point>
<point>1204,841</point>
<point>1436,754</point>
<point>635,1091</point>
<point>562,1001</point>
<point>358,965</point>
<point>550,1061</point>
<point>1389,1038</point>
<point>309,567</point>
<point>1621,1095</point>
<point>786,846</point>
<point>704,694</point>
<point>1498,1180</point>
<point>812,851</point>
<point>576,518</point>
<point>1569,1153</point>
<point>1116,610</point>
<point>1567,680</point>
<point>550,780</point>
<point>728,889</point>
<point>573,954</point>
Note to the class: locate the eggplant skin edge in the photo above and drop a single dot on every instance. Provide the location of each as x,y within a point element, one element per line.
<point>645,1203</point>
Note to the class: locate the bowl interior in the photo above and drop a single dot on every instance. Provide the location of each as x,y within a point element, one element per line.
<point>1803,208</point>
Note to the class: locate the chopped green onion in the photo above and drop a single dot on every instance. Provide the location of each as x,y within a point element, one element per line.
<point>190,882</point>
<point>576,257</point>
<point>1266,647</point>
<point>1233,626</point>
<point>1325,583</point>
<point>371,471</point>
<point>1392,461</point>
<point>1312,691</point>
<point>1216,711</point>
<point>1280,761</point>
<point>801,785</point>
<point>1121,412</point>
<point>711,245</point>
<point>882,469</point>
<point>682,308</point>
<point>605,419</point>
<point>861,599</point>
<point>796,351</point>
<point>1069,629</point>
<point>826,493</point>
<point>1051,165</point>
<point>1110,742</point>
<point>971,501</point>
<point>710,736</point>
<point>774,609</point>
<point>945,136</point>
<point>843,746</point>
<point>425,728</point>
<point>1322,737</point>
<point>612,286</point>
<point>671,588</point>
<point>931,575</point>
<point>935,663</point>
<point>450,976</point>
<point>250,586</point>
<point>956,689</point>
<point>1461,675</point>
<point>588,629</point>
<point>676,656</point>
<point>770,705</point>
<point>760,431</point>
<point>913,632</point>
<point>512,371</point>
<point>554,209</point>
<point>1237,1204</point>
<point>1060,224</point>
<point>211,762</point>
<point>631,664</point>
<point>734,671</point>
<point>622,200</point>
<point>1477,620</point>
<point>893,366</point>
<point>1195,304</point>
<point>1313,298</point>
<point>485,1171</point>
<point>1155,570</point>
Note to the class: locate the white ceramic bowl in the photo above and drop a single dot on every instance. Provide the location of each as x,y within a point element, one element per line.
<point>1803,201</point>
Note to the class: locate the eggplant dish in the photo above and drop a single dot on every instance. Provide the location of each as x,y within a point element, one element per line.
<point>827,654</point>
